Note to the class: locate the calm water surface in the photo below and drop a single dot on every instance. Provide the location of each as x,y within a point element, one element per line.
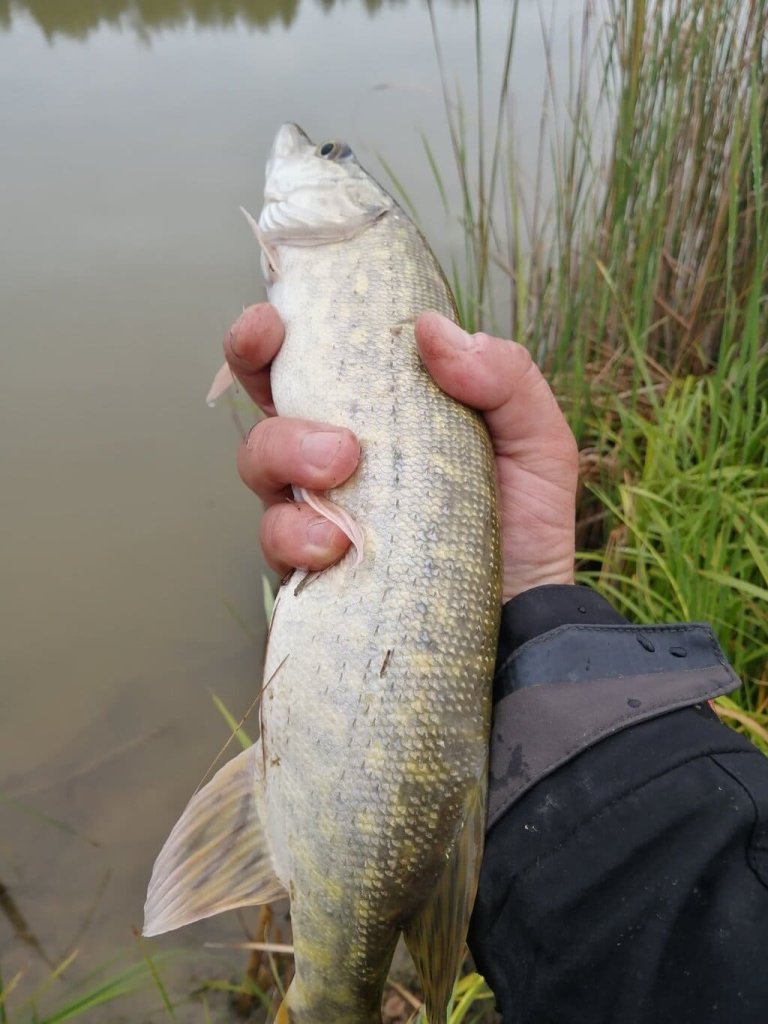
<point>129,134</point>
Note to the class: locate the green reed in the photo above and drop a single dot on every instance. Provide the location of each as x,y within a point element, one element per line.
<point>641,286</point>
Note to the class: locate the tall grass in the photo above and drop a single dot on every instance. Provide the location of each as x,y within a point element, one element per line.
<point>641,285</point>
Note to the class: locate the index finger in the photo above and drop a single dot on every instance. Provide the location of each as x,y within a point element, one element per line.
<point>250,346</point>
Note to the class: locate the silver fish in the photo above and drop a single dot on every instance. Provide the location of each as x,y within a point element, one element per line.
<point>364,799</point>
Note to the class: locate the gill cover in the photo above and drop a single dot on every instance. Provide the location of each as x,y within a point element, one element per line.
<point>314,195</point>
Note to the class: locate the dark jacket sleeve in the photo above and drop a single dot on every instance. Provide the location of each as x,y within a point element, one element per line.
<point>625,877</point>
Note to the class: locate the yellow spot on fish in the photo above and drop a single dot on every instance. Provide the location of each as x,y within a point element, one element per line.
<point>361,283</point>
<point>359,336</point>
<point>420,662</point>
<point>333,888</point>
<point>319,954</point>
<point>376,759</point>
<point>366,823</point>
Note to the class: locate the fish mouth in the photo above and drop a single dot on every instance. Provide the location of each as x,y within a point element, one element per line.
<point>290,141</point>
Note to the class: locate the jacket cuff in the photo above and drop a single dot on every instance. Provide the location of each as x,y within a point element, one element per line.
<point>541,609</point>
<point>566,689</point>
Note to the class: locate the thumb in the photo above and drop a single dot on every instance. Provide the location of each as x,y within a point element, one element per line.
<point>501,380</point>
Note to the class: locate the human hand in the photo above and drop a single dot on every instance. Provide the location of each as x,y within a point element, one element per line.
<point>536,454</point>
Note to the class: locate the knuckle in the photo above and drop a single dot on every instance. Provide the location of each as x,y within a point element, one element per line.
<point>259,453</point>
<point>523,362</point>
<point>570,447</point>
<point>270,534</point>
<point>282,535</point>
<point>258,440</point>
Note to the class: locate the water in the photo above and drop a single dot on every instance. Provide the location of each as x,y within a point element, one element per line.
<point>129,134</point>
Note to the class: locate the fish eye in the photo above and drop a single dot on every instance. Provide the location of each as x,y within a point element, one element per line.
<point>334,150</point>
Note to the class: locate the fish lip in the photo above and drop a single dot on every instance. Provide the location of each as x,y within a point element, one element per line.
<point>289,141</point>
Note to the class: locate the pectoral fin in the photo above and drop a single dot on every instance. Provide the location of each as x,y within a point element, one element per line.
<point>221,382</point>
<point>299,219</point>
<point>337,515</point>
<point>436,936</point>
<point>217,857</point>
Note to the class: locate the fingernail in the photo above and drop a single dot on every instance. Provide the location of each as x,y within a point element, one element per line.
<point>456,336</point>
<point>319,533</point>
<point>321,447</point>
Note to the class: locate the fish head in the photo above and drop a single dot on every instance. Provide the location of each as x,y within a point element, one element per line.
<point>316,194</point>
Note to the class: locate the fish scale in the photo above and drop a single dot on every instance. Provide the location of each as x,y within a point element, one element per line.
<point>369,784</point>
<point>428,524</point>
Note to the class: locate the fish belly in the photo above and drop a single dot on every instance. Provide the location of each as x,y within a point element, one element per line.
<point>376,700</point>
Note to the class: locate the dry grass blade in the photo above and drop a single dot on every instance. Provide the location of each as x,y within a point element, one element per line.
<point>280,948</point>
<point>409,997</point>
<point>743,718</point>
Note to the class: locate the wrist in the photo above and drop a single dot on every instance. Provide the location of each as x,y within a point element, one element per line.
<point>518,580</point>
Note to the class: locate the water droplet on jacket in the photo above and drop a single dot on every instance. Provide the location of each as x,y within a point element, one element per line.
<point>645,642</point>
<point>678,652</point>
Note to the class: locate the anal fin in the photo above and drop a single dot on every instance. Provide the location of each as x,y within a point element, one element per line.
<point>216,857</point>
<point>437,934</point>
<point>281,1017</point>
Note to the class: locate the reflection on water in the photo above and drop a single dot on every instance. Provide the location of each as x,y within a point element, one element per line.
<point>128,547</point>
<point>78,19</point>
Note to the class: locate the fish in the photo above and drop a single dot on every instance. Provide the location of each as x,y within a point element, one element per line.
<point>364,798</point>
